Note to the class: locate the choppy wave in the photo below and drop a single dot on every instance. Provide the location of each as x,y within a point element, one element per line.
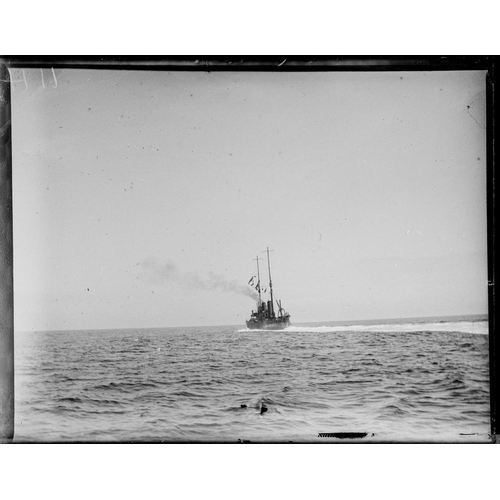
<point>218,384</point>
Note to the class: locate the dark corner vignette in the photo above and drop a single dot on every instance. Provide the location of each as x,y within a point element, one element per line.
<point>491,117</point>
<point>6,268</point>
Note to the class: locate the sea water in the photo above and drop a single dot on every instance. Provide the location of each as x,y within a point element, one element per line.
<point>391,381</point>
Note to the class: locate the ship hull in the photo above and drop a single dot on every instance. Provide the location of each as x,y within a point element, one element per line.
<point>267,324</point>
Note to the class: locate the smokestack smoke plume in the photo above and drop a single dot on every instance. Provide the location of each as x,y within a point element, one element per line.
<point>159,273</point>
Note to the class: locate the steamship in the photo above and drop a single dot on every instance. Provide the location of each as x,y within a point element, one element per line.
<point>264,318</point>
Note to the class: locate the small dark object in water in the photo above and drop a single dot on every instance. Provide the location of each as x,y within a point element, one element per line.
<point>343,435</point>
<point>263,409</point>
<point>243,406</point>
<point>243,441</point>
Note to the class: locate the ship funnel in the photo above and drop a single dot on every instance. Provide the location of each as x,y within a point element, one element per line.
<point>270,308</point>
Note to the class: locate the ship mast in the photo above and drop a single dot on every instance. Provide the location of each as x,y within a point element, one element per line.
<point>270,281</point>
<point>258,278</point>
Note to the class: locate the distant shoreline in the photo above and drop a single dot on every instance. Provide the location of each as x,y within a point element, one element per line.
<point>391,321</point>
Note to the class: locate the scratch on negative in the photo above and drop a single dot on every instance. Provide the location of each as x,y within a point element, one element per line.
<point>10,80</point>
<point>472,116</point>
<point>4,129</point>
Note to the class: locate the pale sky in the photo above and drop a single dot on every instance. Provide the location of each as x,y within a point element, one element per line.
<point>136,192</point>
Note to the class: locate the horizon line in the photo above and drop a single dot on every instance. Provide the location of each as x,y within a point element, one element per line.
<point>485,315</point>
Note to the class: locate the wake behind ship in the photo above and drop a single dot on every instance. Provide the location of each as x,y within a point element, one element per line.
<point>265,318</point>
